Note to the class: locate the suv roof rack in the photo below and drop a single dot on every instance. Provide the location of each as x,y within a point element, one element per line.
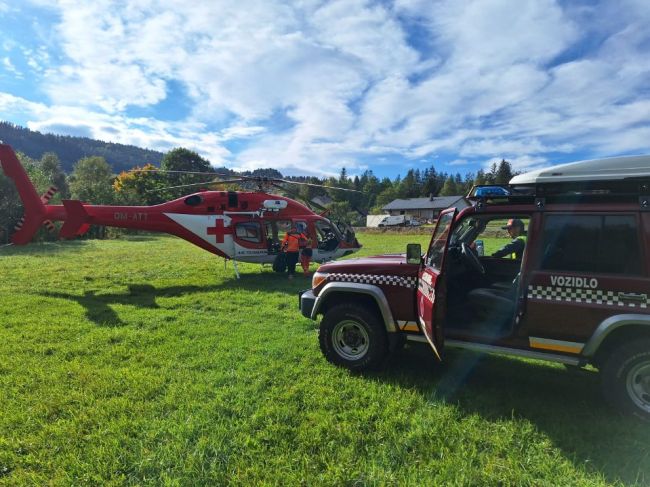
<point>583,192</point>
<point>610,169</point>
<point>617,179</point>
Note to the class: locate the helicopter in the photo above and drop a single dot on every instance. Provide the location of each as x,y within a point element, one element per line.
<point>242,226</point>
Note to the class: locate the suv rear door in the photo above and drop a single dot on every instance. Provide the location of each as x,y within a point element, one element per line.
<point>590,267</point>
<point>431,290</point>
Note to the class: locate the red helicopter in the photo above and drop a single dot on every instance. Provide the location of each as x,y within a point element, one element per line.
<point>237,225</point>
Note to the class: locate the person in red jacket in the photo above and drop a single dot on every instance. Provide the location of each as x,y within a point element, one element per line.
<point>291,246</point>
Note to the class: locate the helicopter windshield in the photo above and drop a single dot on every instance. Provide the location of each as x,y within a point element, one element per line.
<point>346,231</point>
<point>328,235</point>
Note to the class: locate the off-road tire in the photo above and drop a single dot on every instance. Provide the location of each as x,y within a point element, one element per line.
<point>353,336</point>
<point>626,378</point>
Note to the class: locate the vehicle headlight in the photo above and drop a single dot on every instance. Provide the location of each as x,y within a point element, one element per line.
<point>318,278</point>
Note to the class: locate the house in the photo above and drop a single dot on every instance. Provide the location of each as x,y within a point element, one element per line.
<point>424,208</point>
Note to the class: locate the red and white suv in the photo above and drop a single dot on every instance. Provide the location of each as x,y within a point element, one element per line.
<point>579,294</point>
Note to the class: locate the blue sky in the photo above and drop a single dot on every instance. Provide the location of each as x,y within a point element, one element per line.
<point>308,86</point>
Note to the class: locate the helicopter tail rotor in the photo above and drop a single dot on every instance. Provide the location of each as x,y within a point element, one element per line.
<point>34,205</point>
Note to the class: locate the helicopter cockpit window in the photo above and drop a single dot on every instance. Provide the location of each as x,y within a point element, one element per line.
<point>249,231</point>
<point>328,236</point>
<point>193,200</point>
<point>347,232</point>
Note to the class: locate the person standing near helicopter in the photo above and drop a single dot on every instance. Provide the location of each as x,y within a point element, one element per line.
<point>291,244</point>
<point>306,254</point>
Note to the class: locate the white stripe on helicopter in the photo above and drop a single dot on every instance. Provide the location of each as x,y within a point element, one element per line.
<point>199,225</point>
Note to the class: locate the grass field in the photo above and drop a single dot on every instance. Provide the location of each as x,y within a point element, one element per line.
<point>143,361</point>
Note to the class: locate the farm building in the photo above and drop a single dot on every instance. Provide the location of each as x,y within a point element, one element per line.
<point>424,208</point>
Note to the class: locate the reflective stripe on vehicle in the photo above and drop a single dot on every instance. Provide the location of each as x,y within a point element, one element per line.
<point>379,279</point>
<point>408,325</point>
<point>555,345</point>
<point>581,295</point>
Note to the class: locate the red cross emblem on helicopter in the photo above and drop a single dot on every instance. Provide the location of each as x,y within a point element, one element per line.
<point>219,230</point>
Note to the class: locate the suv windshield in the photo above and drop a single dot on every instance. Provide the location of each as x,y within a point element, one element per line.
<point>467,231</point>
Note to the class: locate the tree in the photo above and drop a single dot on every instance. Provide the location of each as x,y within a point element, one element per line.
<point>92,181</point>
<point>450,188</point>
<point>343,177</point>
<point>139,186</point>
<point>503,174</point>
<point>468,182</point>
<point>491,177</point>
<point>51,168</point>
<point>342,211</point>
<point>480,177</point>
<point>181,159</point>
<point>385,197</point>
<point>409,187</point>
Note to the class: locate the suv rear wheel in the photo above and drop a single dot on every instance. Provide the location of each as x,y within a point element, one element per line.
<point>353,336</point>
<point>626,378</point>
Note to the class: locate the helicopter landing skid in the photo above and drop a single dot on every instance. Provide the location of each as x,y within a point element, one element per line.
<point>234,265</point>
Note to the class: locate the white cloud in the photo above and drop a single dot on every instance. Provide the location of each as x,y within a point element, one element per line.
<point>482,79</point>
<point>10,68</point>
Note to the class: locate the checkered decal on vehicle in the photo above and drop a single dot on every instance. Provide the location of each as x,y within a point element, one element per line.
<point>378,279</point>
<point>579,295</point>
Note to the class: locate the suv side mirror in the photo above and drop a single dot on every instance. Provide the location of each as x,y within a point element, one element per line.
<point>413,253</point>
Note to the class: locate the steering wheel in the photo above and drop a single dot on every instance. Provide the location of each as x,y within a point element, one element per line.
<point>471,258</point>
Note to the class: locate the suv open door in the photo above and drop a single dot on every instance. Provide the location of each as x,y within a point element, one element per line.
<point>430,293</point>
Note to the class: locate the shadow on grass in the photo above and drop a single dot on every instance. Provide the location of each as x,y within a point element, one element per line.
<point>43,248</point>
<point>98,306</point>
<point>565,405</point>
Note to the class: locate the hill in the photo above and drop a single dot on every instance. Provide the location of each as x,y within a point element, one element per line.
<point>70,149</point>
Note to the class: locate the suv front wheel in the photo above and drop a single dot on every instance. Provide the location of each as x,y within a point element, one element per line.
<point>353,336</point>
<point>626,378</point>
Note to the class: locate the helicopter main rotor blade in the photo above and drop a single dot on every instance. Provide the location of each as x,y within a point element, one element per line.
<point>296,196</point>
<point>205,183</point>
<point>316,185</point>
<point>169,171</point>
<point>260,180</point>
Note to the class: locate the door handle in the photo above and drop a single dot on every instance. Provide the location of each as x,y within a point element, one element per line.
<point>633,297</point>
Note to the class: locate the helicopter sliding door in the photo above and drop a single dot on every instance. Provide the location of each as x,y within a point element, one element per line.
<point>277,229</point>
<point>249,241</point>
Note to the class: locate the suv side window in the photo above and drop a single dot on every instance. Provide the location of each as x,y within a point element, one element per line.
<point>591,243</point>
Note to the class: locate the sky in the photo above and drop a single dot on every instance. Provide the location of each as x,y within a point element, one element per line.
<point>308,87</point>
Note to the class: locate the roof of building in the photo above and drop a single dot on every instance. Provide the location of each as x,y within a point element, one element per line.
<point>613,168</point>
<point>437,203</point>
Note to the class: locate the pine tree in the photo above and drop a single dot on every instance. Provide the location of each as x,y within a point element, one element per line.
<point>503,174</point>
<point>449,188</point>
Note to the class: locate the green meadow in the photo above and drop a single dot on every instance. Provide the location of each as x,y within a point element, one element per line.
<point>143,361</point>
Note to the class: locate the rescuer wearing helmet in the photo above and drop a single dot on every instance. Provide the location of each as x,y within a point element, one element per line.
<point>515,249</point>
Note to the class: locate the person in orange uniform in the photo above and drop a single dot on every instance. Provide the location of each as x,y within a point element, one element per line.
<point>291,246</point>
<point>305,256</point>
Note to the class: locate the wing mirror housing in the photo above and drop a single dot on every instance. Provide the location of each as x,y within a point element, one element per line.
<point>413,253</point>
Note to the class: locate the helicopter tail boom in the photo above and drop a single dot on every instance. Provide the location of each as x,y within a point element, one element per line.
<point>35,212</point>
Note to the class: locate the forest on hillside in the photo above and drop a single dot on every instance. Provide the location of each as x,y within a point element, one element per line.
<point>70,149</point>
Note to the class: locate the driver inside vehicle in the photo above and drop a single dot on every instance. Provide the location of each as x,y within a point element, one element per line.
<point>514,249</point>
